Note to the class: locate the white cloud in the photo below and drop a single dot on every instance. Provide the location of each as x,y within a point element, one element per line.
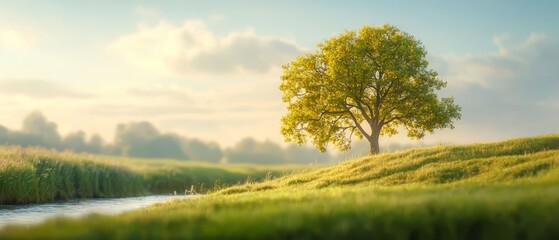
<point>506,93</point>
<point>158,47</point>
<point>192,49</point>
<point>531,61</point>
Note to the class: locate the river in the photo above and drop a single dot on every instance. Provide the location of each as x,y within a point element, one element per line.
<point>36,213</point>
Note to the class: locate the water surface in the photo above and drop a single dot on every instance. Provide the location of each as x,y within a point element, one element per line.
<point>36,213</point>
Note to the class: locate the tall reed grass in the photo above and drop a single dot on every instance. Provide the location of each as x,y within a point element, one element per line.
<point>35,175</point>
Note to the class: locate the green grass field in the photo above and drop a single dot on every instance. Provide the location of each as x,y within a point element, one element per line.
<point>505,190</point>
<point>36,175</point>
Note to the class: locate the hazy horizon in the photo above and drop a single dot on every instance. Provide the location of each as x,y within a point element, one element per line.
<point>211,70</point>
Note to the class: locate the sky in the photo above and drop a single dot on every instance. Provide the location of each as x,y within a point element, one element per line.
<point>211,69</point>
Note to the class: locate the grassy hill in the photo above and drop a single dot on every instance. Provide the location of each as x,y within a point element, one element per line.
<point>505,190</point>
<point>506,161</point>
<point>34,175</point>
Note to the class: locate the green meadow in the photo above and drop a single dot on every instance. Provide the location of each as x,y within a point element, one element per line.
<point>35,175</point>
<point>504,190</point>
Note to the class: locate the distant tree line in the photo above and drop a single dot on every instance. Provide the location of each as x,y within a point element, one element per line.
<point>144,140</point>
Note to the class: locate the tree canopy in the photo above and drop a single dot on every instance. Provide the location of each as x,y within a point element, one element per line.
<point>366,83</point>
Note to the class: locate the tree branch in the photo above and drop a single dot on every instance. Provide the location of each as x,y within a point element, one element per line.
<point>385,93</point>
<point>357,124</point>
<point>362,110</point>
<point>324,113</point>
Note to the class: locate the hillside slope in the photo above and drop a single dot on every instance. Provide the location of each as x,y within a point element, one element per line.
<point>512,160</point>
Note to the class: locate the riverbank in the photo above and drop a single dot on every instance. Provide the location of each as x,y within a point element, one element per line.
<point>31,214</point>
<point>33,175</point>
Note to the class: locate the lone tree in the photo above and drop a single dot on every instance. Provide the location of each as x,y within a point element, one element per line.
<point>365,84</point>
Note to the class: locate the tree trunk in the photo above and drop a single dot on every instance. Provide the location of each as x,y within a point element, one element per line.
<point>373,143</point>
